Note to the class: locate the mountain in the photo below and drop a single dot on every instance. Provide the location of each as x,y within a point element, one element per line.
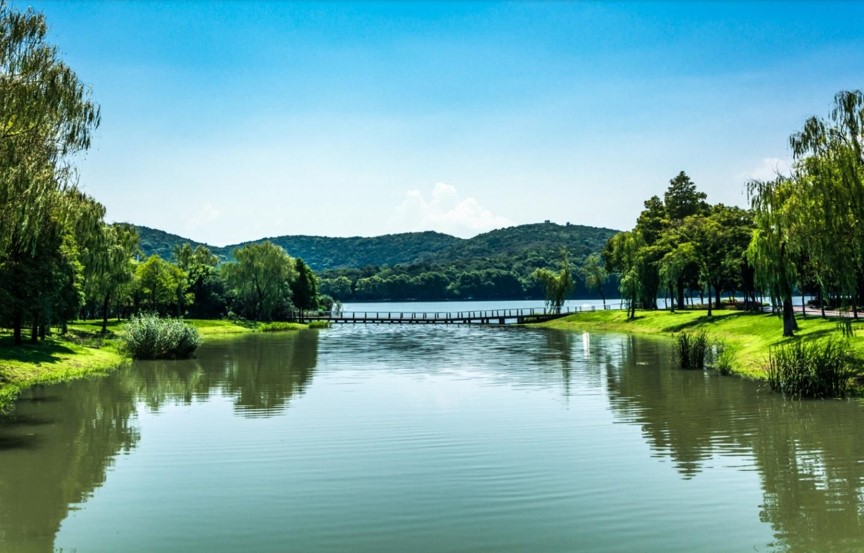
<point>530,245</point>
<point>162,243</point>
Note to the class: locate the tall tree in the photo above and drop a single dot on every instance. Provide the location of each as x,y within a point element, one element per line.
<point>260,280</point>
<point>557,284</point>
<point>46,116</point>
<point>682,199</point>
<point>772,245</point>
<point>304,289</point>
<point>594,273</point>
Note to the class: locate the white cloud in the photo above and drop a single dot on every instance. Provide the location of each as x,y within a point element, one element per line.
<point>769,168</point>
<point>446,211</point>
<point>207,214</point>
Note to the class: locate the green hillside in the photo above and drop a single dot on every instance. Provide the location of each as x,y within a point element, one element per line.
<point>322,253</point>
<point>521,248</point>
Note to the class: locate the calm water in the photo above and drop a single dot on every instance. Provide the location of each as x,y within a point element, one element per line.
<point>428,439</point>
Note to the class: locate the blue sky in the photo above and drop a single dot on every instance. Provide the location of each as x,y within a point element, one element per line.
<point>229,121</point>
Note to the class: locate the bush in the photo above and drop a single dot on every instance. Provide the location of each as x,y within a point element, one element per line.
<point>813,369</point>
<point>149,337</point>
<point>722,357</point>
<point>691,350</point>
<point>280,326</point>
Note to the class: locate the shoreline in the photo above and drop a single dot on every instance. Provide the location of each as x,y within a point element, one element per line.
<point>748,335</point>
<point>83,353</point>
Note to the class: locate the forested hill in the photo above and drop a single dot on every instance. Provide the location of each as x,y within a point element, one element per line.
<point>532,245</point>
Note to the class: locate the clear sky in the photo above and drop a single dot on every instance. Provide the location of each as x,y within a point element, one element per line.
<point>230,121</point>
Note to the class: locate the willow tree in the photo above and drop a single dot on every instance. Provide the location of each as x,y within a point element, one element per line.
<point>594,274</point>
<point>260,280</point>
<point>624,255</point>
<point>558,284</point>
<point>771,249</point>
<point>830,164</point>
<point>46,116</point>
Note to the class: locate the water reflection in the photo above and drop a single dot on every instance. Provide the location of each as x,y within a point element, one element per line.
<point>55,451</point>
<point>809,455</point>
<point>57,446</point>
<point>260,372</point>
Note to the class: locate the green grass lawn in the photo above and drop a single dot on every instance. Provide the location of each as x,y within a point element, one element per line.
<point>749,335</point>
<point>84,351</point>
<point>56,359</point>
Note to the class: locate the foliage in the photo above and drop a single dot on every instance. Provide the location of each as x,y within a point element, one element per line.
<point>280,327</point>
<point>691,350</point>
<point>150,337</point>
<point>722,357</point>
<point>811,368</point>
<point>557,285</point>
<point>594,274</point>
<point>749,335</point>
<point>260,281</point>
<point>429,266</point>
<point>304,288</point>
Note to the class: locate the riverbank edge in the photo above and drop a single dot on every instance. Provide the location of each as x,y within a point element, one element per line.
<point>85,353</point>
<point>749,336</point>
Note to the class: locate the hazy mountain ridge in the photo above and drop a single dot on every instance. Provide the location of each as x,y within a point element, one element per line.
<point>323,253</point>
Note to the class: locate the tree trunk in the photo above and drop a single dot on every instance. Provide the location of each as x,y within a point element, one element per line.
<point>16,329</point>
<point>789,325</point>
<point>803,306</point>
<point>105,313</point>
<point>34,331</point>
<point>680,294</point>
<point>821,300</point>
<point>709,300</point>
<point>717,301</point>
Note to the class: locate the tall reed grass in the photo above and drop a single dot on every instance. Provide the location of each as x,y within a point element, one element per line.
<point>691,350</point>
<point>811,368</point>
<point>149,337</point>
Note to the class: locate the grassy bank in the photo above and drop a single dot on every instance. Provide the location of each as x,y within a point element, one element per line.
<point>79,354</point>
<point>83,352</point>
<point>748,335</point>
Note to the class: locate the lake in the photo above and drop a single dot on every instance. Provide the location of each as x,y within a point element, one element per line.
<point>428,439</point>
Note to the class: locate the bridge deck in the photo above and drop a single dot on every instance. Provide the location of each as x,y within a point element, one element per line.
<point>495,316</point>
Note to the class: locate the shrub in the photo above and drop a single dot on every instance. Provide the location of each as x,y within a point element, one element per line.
<point>721,357</point>
<point>280,326</point>
<point>691,350</point>
<point>813,369</point>
<point>149,337</point>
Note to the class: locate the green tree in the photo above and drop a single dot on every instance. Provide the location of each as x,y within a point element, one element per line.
<point>682,199</point>
<point>260,280</point>
<point>594,273</point>
<point>204,281</point>
<point>770,249</point>
<point>111,266</point>
<point>558,284</point>
<point>46,116</point>
<point>161,286</point>
<point>304,288</point>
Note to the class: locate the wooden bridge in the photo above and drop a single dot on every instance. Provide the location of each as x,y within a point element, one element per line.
<point>495,316</point>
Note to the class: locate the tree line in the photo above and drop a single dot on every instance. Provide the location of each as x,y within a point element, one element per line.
<point>803,232</point>
<point>59,259</point>
<point>458,282</point>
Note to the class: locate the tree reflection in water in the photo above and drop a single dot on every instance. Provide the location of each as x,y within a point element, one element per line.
<point>58,444</point>
<point>809,454</point>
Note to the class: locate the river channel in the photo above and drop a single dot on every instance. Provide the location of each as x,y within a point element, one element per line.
<point>432,438</point>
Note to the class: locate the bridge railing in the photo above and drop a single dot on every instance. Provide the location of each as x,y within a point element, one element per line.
<point>408,316</point>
